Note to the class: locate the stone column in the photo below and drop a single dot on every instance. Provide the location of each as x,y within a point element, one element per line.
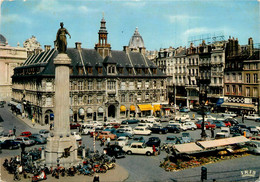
<point>61,139</point>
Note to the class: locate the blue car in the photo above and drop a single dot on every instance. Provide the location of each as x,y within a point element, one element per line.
<point>184,109</point>
<point>121,132</point>
<point>218,123</point>
<point>130,121</point>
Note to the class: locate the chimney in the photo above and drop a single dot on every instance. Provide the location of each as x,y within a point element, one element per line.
<point>250,46</point>
<point>47,47</point>
<point>78,45</point>
<point>126,49</point>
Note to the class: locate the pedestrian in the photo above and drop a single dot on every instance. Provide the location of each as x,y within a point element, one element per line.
<point>96,178</point>
<point>108,142</point>
<point>212,132</point>
<point>14,130</point>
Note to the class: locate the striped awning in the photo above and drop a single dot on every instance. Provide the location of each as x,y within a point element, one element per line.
<point>145,107</point>
<point>238,105</point>
<point>132,108</point>
<point>122,108</point>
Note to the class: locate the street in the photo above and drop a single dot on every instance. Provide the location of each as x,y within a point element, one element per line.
<point>146,168</point>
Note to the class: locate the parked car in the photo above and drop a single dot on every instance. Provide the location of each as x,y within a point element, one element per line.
<point>233,121</point>
<point>147,125</point>
<point>257,119</point>
<point>44,133</point>
<point>229,114</point>
<point>253,146</point>
<point>107,134</point>
<point>172,140</point>
<point>208,125</point>
<point>174,128</point>
<point>220,136</point>
<point>139,139</point>
<point>150,118</point>
<point>115,151</point>
<point>184,109</point>
<point>123,133</point>
<point>76,135</point>
<point>252,116</point>
<point>224,131</point>
<point>141,131</point>
<point>219,124</point>
<point>182,117</point>
<point>6,136</point>
<point>39,139</point>
<point>164,119</point>
<point>74,125</point>
<point>128,130</point>
<point>87,129</point>
<point>138,148</point>
<point>234,129</point>
<point>122,141</point>
<point>190,125</point>
<point>10,144</point>
<point>26,134</point>
<point>130,121</point>
<point>253,130</point>
<point>159,129</point>
<point>153,141</point>
<point>206,117</point>
<point>25,140</point>
<point>186,138</point>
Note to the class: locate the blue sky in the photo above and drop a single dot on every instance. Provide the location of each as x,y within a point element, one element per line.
<point>162,23</point>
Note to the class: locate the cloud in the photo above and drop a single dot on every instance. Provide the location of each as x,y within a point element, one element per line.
<point>181,18</point>
<point>10,18</point>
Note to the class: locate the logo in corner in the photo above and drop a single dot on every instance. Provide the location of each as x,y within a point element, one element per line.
<point>248,173</point>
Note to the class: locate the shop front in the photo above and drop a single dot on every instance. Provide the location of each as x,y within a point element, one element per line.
<point>89,113</point>
<point>146,110</point>
<point>100,115</point>
<point>132,111</point>
<point>122,111</point>
<point>157,110</point>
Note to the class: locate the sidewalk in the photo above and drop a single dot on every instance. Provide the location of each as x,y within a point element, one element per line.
<point>29,122</point>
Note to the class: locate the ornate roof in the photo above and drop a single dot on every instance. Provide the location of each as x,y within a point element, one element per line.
<point>31,44</point>
<point>3,41</point>
<point>136,40</point>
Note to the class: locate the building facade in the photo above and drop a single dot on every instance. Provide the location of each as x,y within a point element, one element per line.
<point>10,57</point>
<point>104,83</point>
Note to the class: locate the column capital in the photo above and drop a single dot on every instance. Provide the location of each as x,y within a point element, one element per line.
<point>62,59</point>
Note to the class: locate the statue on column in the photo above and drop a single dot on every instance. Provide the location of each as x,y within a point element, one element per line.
<point>61,40</point>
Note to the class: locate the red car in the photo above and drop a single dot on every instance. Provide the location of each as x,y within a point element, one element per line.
<point>114,125</point>
<point>208,125</point>
<point>227,123</point>
<point>26,134</point>
<point>74,125</point>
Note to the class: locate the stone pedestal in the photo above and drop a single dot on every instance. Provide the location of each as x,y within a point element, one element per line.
<point>61,138</point>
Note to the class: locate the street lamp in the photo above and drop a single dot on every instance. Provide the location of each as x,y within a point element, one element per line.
<point>203,110</point>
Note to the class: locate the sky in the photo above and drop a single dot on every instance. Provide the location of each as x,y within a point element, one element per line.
<point>161,23</point>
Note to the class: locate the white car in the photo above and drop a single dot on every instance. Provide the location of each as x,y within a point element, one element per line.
<point>128,130</point>
<point>87,129</point>
<point>252,116</point>
<point>147,125</point>
<point>182,117</point>
<point>182,127</point>
<point>139,130</point>
<point>97,124</point>
<point>207,117</point>
<point>189,125</point>
<point>76,135</point>
<point>122,141</point>
<point>25,140</point>
<point>225,132</point>
<point>228,114</point>
<point>45,133</point>
<point>138,148</point>
<point>6,136</point>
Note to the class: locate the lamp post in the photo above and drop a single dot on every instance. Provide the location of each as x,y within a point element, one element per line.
<point>203,110</point>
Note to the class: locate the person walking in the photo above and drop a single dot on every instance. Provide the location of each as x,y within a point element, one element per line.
<point>96,178</point>
<point>14,130</point>
<point>212,132</point>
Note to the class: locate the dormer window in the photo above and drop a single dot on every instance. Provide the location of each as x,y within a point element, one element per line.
<point>80,69</point>
<point>90,70</point>
<point>146,70</point>
<point>100,70</point>
<point>154,71</point>
<point>130,70</point>
<point>111,69</point>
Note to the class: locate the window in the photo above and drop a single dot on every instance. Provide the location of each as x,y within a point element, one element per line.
<point>139,97</point>
<point>162,97</point>
<point>90,70</point>
<point>99,70</point>
<point>154,84</point>
<point>247,78</point>
<point>227,76</point>
<point>131,98</point>
<point>139,71</point>
<point>240,76</point>
<point>255,78</point>
<point>233,88</point>
<point>131,86</point>
<point>90,85</point>
<point>147,85</point>
<point>130,70</point>
<point>239,89</point>
<point>215,80</point>
<point>220,80</point>
<point>139,85</point>
<point>146,70</point>
<point>111,85</point>
<point>255,93</point>
<point>99,99</point>
<point>147,96</point>
<point>80,85</point>
<point>80,71</point>
<point>89,99</point>
<point>122,85</point>
<point>227,89</point>
<point>120,70</point>
<point>154,71</point>
<point>48,86</point>
<point>162,83</point>
<point>48,101</point>
<point>234,77</point>
<point>246,66</point>
<point>80,100</point>
<point>247,91</point>
<point>99,85</point>
<point>123,98</point>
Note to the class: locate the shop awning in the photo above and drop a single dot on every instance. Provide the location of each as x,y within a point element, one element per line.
<point>89,110</point>
<point>156,107</point>
<point>145,107</point>
<point>187,148</point>
<point>238,105</point>
<point>81,112</point>
<point>132,108</point>
<point>100,110</point>
<point>223,142</point>
<point>122,108</point>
